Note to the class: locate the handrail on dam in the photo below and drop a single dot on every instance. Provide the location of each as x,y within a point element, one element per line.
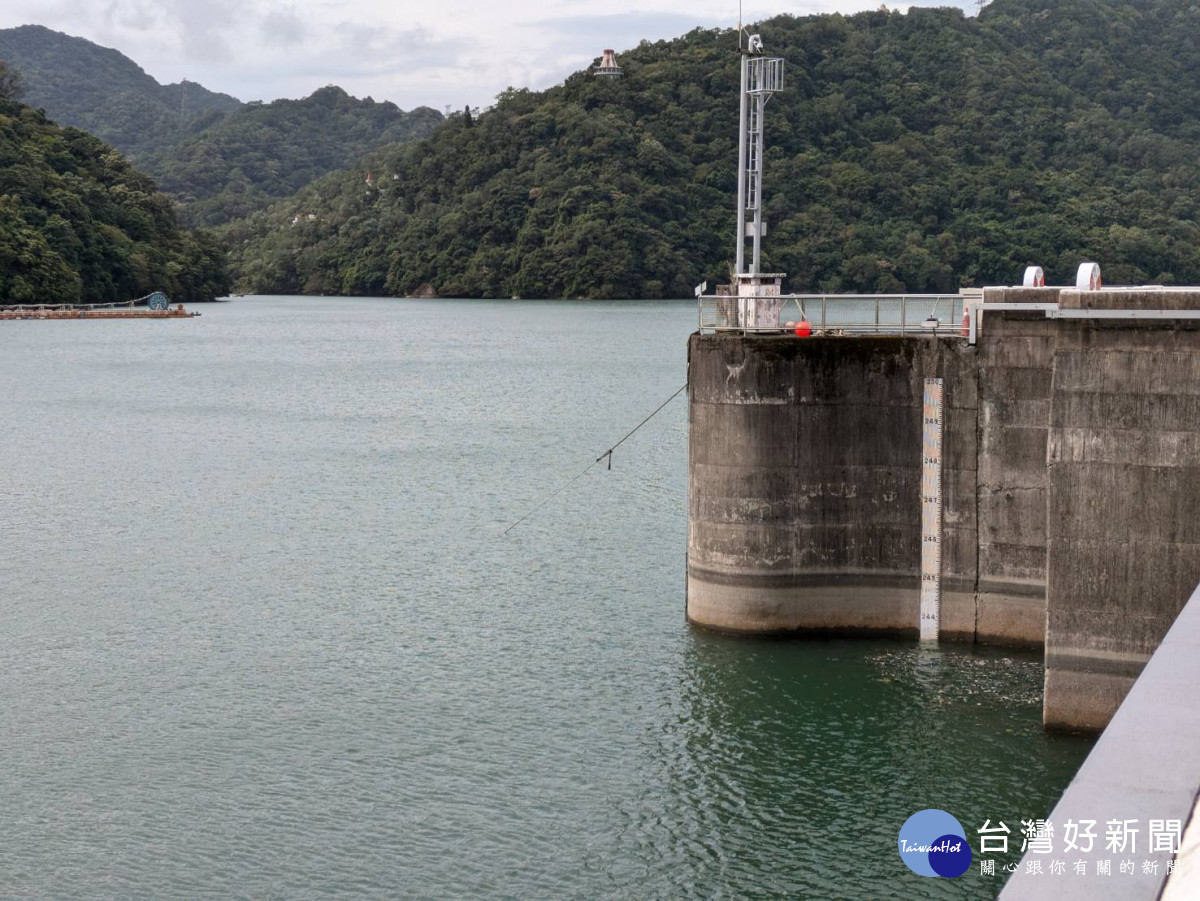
<point>841,314</point>
<point>948,315</point>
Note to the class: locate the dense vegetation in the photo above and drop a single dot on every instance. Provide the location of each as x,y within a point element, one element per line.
<point>78,223</point>
<point>217,157</point>
<point>102,91</point>
<point>918,151</point>
<point>242,161</point>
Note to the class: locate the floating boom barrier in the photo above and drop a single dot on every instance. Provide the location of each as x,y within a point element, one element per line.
<point>152,306</point>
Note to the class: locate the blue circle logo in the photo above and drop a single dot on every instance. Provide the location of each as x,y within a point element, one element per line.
<point>933,843</point>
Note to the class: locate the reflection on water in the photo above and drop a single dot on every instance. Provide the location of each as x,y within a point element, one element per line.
<point>261,635</point>
<point>793,764</point>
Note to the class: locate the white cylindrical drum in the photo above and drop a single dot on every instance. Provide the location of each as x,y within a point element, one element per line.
<point>1088,277</point>
<point>1034,277</point>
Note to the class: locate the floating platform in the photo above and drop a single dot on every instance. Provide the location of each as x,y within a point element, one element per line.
<point>177,313</point>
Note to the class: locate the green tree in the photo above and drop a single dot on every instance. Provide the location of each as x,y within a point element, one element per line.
<point>78,223</point>
<point>917,151</point>
<point>218,158</point>
<point>12,85</point>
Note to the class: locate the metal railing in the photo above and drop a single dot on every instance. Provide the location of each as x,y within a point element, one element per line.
<point>61,307</point>
<point>130,304</point>
<point>836,314</point>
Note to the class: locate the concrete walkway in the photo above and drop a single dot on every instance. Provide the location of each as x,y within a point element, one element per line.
<point>1145,767</point>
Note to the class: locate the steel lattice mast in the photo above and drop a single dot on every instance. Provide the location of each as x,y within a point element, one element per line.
<point>762,76</point>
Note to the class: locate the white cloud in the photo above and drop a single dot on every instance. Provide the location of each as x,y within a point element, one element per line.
<point>448,53</point>
<point>283,28</point>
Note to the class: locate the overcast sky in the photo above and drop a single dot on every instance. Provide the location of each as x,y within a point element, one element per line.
<point>448,52</point>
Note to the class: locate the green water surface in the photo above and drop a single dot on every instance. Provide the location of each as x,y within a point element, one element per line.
<point>261,635</point>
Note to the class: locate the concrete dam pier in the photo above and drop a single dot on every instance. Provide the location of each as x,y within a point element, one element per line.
<point>1069,465</point>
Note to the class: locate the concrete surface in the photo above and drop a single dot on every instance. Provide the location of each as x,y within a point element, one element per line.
<point>1016,362</point>
<point>1146,766</point>
<point>1123,465</point>
<point>805,478</point>
<point>1071,486</point>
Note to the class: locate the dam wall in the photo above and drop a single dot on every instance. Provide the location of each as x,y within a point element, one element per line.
<point>804,474</point>
<point>1123,462</point>
<point>1071,484</point>
<point>1014,368</point>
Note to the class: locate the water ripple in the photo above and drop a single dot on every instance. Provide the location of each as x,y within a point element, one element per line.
<point>260,637</point>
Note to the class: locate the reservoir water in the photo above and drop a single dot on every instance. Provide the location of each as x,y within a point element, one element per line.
<point>261,636</point>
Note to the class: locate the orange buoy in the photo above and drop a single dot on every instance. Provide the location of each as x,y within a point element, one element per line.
<point>803,328</point>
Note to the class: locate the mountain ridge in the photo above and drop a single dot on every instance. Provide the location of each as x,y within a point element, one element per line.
<point>220,158</point>
<point>917,151</point>
<point>100,90</point>
<point>262,152</point>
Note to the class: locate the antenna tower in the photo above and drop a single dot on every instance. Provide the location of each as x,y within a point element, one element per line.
<point>762,76</point>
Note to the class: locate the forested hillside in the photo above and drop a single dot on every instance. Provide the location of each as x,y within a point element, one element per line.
<point>242,161</point>
<point>918,151</point>
<point>104,92</point>
<point>215,156</point>
<point>78,223</point>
